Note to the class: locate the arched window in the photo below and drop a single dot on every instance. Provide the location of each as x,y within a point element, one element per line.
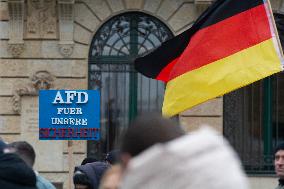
<point>124,92</point>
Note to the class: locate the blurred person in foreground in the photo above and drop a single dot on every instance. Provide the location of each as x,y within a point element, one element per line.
<point>145,131</point>
<point>14,172</point>
<point>200,160</point>
<point>25,151</point>
<point>88,176</point>
<point>279,164</point>
<point>111,178</point>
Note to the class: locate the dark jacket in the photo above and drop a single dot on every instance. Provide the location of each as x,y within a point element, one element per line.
<point>15,174</point>
<point>281,184</point>
<point>94,172</point>
<point>2,146</point>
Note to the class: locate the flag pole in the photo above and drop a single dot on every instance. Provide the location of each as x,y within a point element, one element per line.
<point>275,28</point>
<point>70,163</point>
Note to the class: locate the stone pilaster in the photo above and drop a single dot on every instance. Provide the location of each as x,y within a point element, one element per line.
<point>16,27</point>
<point>66,27</point>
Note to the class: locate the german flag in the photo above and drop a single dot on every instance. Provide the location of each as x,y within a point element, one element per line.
<point>232,44</point>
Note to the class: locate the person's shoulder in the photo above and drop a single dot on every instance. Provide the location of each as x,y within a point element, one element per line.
<point>279,187</point>
<point>43,183</point>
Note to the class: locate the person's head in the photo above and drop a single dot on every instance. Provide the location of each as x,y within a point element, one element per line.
<point>3,145</point>
<point>81,180</point>
<point>88,160</point>
<point>111,178</point>
<point>199,160</point>
<point>24,150</point>
<point>112,157</point>
<point>279,160</point>
<point>145,131</point>
<point>88,176</point>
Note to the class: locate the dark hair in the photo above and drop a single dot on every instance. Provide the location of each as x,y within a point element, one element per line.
<point>2,146</point>
<point>81,178</point>
<point>147,130</point>
<point>113,156</point>
<point>279,147</point>
<point>88,160</point>
<point>25,151</point>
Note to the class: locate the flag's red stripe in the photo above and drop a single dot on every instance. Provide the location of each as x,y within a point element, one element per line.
<point>226,37</point>
<point>165,73</point>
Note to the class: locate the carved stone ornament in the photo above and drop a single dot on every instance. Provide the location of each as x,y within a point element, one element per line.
<point>41,80</point>
<point>66,49</point>
<point>16,49</point>
<point>41,19</point>
<point>66,26</point>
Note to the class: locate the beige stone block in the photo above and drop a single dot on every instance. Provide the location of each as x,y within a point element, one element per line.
<point>4,29</point>
<point>26,68</point>
<point>168,7</point>
<point>185,15</point>
<point>77,159</point>
<point>263,182</point>
<point>50,50</point>
<point>99,7</point>
<point>10,124</point>
<point>4,14</point>
<point>212,107</point>
<point>115,5</point>
<point>6,106</point>
<point>193,123</point>
<point>152,6</point>
<point>8,138</point>
<point>13,67</point>
<point>276,4</point>
<point>59,178</point>
<point>9,85</point>
<point>79,68</point>
<point>78,146</point>
<point>182,30</point>
<point>50,151</point>
<point>82,35</point>
<point>44,49</point>
<point>133,4</point>
<point>85,17</point>
<point>69,84</point>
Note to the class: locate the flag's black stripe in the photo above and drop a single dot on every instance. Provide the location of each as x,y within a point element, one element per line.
<point>223,9</point>
<point>153,63</point>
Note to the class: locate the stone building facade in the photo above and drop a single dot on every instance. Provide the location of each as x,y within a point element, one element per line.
<point>46,44</point>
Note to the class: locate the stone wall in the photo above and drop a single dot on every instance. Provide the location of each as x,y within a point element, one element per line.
<point>40,52</point>
<point>63,51</point>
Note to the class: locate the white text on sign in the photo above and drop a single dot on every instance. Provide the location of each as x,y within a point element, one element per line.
<point>78,97</point>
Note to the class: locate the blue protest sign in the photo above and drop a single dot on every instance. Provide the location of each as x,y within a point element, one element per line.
<point>69,115</point>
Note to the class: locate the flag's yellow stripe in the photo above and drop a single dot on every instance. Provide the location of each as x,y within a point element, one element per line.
<point>220,77</point>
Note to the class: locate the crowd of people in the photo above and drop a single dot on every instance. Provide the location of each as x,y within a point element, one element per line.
<point>155,153</point>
